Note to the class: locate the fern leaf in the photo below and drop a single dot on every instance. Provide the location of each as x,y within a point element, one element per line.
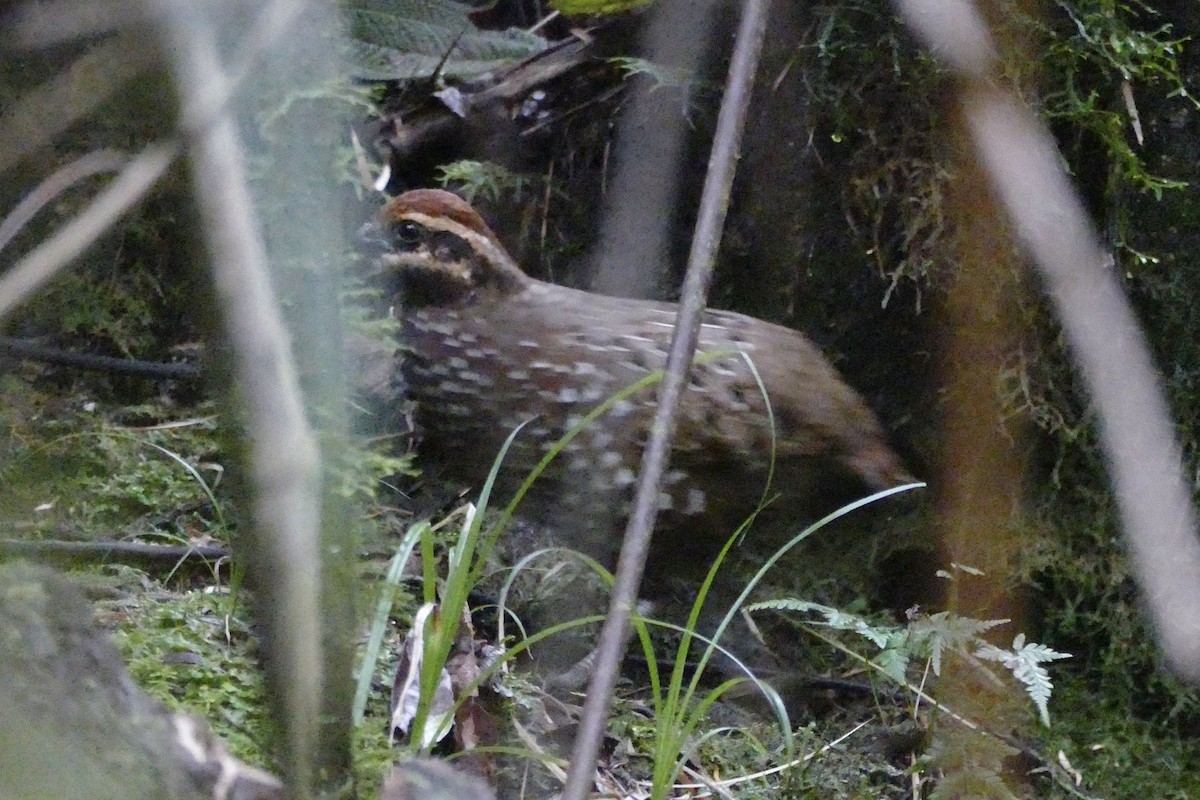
<point>894,663</point>
<point>936,633</point>
<point>1025,661</point>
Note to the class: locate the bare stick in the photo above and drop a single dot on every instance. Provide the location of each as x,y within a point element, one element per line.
<point>163,555</point>
<point>32,272</point>
<point>1135,425</point>
<point>130,186</point>
<point>283,458</point>
<point>31,350</point>
<point>713,204</point>
<point>83,167</point>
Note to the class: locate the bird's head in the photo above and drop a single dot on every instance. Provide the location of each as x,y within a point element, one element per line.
<point>441,248</point>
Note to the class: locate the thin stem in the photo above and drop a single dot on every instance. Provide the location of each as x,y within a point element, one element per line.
<point>713,206</point>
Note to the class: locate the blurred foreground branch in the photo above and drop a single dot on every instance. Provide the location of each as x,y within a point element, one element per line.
<point>714,203</point>
<point>1137,434</point>
<point>282,452</point>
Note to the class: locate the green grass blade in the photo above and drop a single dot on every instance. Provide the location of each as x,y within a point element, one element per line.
<point>383,610</point>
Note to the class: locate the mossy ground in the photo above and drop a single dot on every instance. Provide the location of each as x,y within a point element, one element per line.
<point>101,458</point>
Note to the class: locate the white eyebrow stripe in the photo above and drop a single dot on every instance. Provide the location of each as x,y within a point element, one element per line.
<point>483,246</point>
<point>478,241</point>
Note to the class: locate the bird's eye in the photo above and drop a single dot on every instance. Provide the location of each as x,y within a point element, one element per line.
<point>409,233</point>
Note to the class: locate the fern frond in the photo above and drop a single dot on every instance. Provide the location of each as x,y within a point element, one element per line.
<point>1025,661</point>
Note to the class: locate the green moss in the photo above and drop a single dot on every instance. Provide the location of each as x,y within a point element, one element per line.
<point>195,654</point>
<point>1119,751</point>
<point>79,470</point>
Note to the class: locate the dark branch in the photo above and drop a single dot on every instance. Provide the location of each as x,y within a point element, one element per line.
<point>33,351</point>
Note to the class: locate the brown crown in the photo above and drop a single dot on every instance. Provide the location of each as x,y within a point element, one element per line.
<point>435,204</point>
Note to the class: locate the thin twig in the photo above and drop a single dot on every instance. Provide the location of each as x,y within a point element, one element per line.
<point>282,458</point>
<point>50,109</point>
<point>778,768</point>
<point>1136,432</point>
<point>713,206</point>
<point>83,167</point>
<point>123,552</point>
<point>34,351</point>
<point>130,186</point>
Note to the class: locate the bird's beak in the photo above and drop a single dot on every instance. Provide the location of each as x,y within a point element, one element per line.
<point>370,239</point>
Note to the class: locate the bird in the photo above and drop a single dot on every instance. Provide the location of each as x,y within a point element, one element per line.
<point>487,349</point>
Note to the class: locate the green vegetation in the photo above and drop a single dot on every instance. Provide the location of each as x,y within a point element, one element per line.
<point>90,459</point>
<point>194,651</point>
<point>1106,74</point>
<point>77,468</point>
<point>483,179</point>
